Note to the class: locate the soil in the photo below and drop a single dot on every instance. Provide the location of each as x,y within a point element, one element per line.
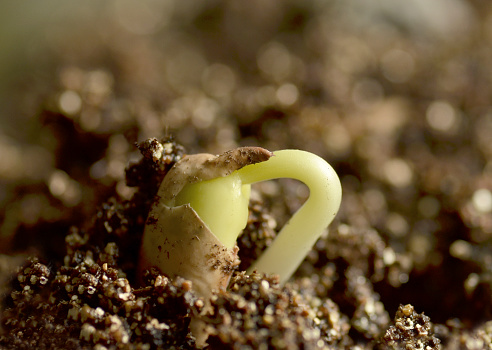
<point>400,109</point>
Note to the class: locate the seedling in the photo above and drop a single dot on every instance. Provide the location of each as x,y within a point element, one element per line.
<point>202,207</point>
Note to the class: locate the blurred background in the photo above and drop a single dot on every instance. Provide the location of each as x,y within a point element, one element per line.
<point>395,94</point>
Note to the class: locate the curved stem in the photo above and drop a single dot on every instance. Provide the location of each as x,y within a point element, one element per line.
<point>299,235</point>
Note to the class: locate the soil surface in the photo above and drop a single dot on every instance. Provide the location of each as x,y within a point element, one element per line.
<point>397,100</point>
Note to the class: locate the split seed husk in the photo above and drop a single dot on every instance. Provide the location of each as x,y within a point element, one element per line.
<point>176,240</point>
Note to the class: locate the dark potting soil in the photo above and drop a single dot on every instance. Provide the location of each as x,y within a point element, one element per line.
<point>400,111</point>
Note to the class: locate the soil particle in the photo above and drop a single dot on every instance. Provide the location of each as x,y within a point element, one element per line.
<point>410,330</point>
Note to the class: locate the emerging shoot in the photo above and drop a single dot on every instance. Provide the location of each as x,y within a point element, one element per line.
<point>300,233</point>
<point>203,206</point>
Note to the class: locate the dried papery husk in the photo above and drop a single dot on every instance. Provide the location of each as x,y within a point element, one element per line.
<point>182,245</point>
<point>176,240</point>
<point>179,243</point>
